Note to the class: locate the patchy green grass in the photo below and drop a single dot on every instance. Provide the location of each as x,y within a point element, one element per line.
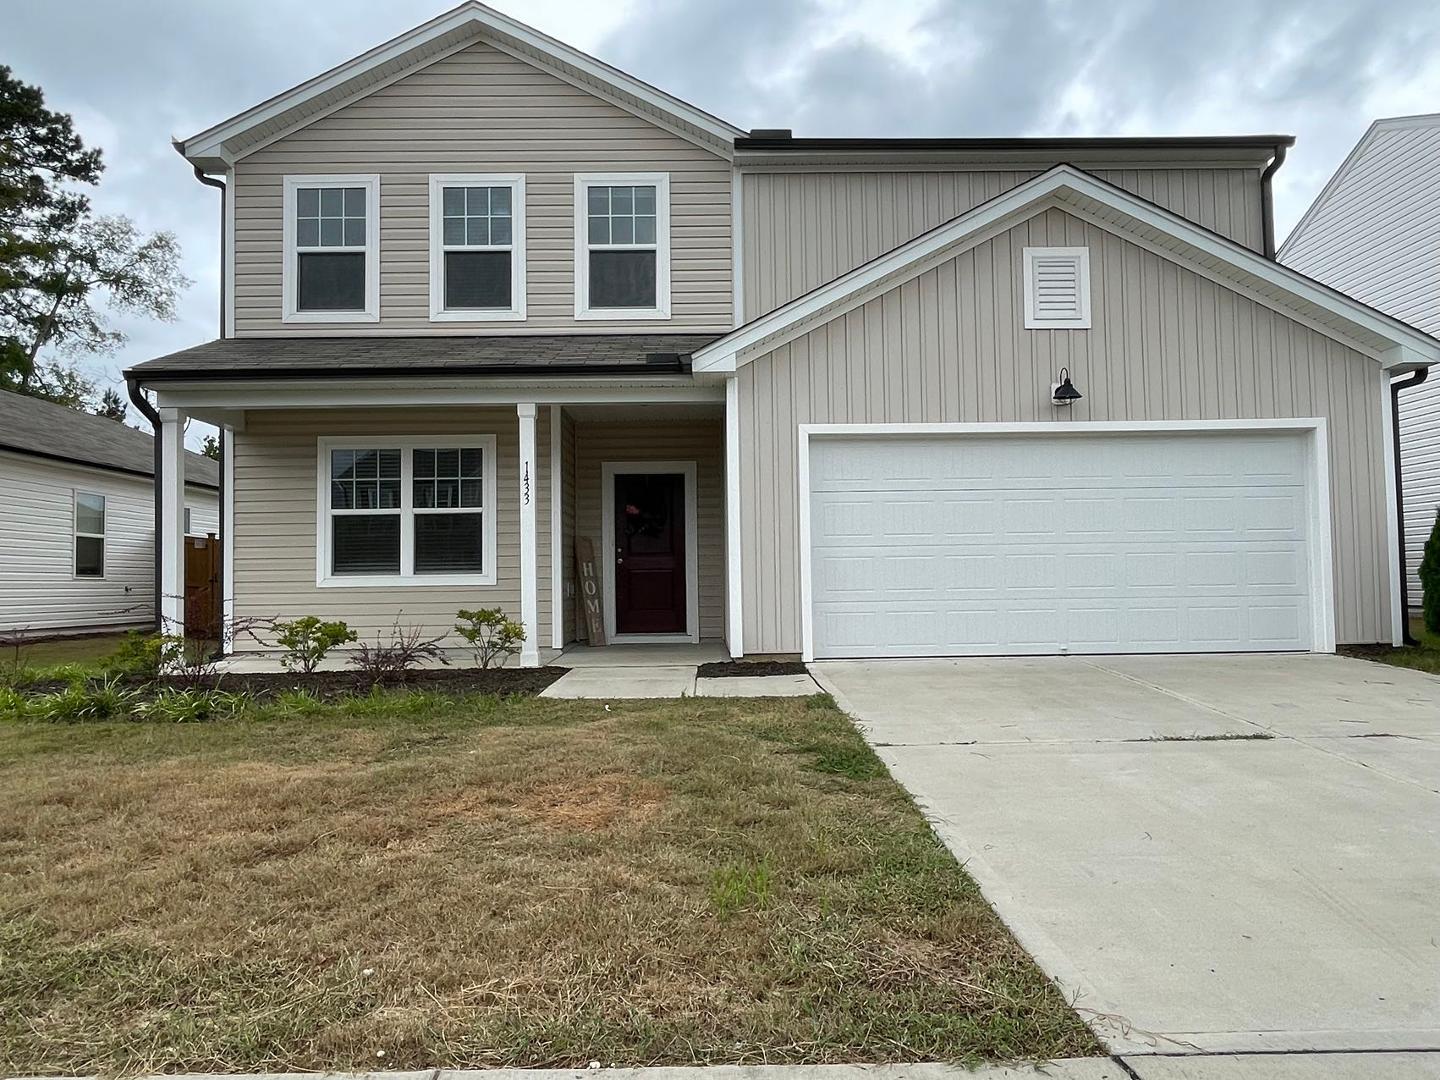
<point>473,882</point>
<point>1422,657</point>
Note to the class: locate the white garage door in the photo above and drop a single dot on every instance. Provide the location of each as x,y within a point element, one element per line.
<point>1034,543</point>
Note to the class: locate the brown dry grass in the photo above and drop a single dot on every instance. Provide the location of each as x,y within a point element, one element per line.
<point>481,884</point>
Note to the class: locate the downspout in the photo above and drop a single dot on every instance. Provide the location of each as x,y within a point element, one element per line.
<point>1267,201</point>
<point>1415,379</point>
<point>142,403</point>
<point>210,181</point>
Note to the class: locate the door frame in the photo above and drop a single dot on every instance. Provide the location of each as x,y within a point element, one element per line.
<point>1322,558</point>
<point>687,471</point>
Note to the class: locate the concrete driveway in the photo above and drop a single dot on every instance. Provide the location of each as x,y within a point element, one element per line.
<point>1195,888</point>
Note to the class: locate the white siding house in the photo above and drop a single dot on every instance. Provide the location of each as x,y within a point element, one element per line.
<point>77,519</point>
<point>1374,232</point>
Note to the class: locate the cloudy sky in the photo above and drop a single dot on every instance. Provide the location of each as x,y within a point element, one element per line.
<point>134,73</point>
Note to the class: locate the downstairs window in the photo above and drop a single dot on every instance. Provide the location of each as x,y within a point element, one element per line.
<point>413,510</point>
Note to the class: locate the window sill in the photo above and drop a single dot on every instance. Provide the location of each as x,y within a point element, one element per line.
<point>478,315</point>
<point>400,581</point>
<point>622,314</point>
<point>331,317</point>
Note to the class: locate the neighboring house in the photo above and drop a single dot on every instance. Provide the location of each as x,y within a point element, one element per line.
<point>1374,233</point>
<point>77,518</point>
<point>486,296</point>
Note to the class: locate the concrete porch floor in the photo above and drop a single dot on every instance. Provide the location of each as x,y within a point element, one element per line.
<point>684,654</point>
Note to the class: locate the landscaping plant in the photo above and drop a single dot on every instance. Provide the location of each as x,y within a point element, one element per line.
<point>80,702</point>
<point>491,633</point>
<point>391,661</point>
<point>1430,579</point>
<point>190,705</point>
<point>306,641</point>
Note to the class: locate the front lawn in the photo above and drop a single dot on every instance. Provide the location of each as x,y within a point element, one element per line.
<point>409,881</point>
<point>1422,657</point>
<point>86,651</point>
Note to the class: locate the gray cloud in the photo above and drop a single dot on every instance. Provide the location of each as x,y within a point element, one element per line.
<point>136,73</point>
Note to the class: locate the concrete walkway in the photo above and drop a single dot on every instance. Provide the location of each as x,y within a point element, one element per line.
<point>619,672</point>
<point>1413,1066</point>
<point>1210,854</point>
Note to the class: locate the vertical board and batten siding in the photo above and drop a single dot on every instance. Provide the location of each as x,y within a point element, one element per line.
<point>1375,234</point>
<point>802,229</point>
<point>950,346</point>
<point>275,521</point>
<point>38,586</point>
<point>701,441</point>
<point>482,111</point>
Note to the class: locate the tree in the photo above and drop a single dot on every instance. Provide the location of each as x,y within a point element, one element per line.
<point>112,405</point>
<point>1430,579</point>
<point>210,447</point>
<point>58,260</point>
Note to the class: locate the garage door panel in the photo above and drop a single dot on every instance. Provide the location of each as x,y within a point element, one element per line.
<point>1139,544</point>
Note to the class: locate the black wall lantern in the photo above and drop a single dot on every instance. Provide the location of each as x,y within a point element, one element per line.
<point>1064,392</point>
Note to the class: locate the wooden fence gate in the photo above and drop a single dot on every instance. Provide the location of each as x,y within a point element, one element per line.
<point>202,587</point>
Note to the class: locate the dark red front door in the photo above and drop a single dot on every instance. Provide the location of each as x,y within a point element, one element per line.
<point>649,553</point>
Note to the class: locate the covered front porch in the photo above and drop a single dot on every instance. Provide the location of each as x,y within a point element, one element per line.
<point>397,503</point>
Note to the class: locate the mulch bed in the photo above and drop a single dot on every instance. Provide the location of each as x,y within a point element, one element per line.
<point>328,685</point>
<point>736,669</point>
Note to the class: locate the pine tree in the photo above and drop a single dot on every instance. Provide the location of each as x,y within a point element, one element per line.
<point>1430,579</point>
<point>112,405</point>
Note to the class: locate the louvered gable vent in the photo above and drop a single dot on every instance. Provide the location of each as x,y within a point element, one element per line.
<point>1057,288</point>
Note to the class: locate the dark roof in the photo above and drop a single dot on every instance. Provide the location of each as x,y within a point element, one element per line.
<point>493,354</point>
<point>31,426</point>
<point>768,139</point>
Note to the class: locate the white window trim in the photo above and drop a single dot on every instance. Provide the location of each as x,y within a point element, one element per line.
<point>516,183</point>
<point>187,515</point>
<point>661,310</point>
<point>290,275</point>
<point>76,534</point>
<point>405,444</point>
<point>1082,256</point>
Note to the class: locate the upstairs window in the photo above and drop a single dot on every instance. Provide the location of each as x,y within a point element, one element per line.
<point>477,248</point>
<point>89,535</point>
<point>332,249</point>
<point>1057,288</point>
<point>622,246</point>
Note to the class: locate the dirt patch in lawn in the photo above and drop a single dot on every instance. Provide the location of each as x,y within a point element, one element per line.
<point>479,882</point>
<point>738,669</point>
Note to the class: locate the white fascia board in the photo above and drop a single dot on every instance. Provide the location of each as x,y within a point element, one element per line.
<point>913,258</point>
<point>209,144</point>
<point>315,394</point>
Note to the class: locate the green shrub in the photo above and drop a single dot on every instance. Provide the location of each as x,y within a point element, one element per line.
<point>307,639</point>
<point>138,653</point>
<point>13,704</point>
<point>492,634</point>
<point>191,706</point>
<point>1430,579</point>
<point>83,702</point>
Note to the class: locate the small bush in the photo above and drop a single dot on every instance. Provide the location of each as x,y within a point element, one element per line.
<point>307,639</point>
<point>138,654</point>
<point>13,704</point>
<point>82,702</point>
<point>391,661</point>
<point>191,706</point>
<point>491,633</point>
<point>1430,579</point>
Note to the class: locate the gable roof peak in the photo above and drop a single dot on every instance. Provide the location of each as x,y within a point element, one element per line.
<point>218,146</point>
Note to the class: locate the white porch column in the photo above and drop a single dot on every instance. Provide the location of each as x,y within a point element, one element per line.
<point>227,538</point>
<point>172,521</point>
<point>529,560</point>
<point>734,602</point>
<point>557,559</point>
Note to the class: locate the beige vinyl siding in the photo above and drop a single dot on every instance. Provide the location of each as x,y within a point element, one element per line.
<point>949,346</point>
<point>802,229</point>
<point>482,111</point>
<point>275,521</point>
<point>569,611</point>
<point>701,441</point>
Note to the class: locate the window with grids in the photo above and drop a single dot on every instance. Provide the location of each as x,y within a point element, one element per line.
<point>480,225</point>
<point>331,227</point>
<point>623,236</point>
<point>89,535</point>
<point>410,510</point>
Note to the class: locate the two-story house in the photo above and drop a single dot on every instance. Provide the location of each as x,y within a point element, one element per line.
<point>486,296</point>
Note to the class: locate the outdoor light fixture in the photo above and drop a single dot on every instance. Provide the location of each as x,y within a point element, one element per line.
<point>1064,392</point>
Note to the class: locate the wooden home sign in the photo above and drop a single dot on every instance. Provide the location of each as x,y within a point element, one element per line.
<point>589,574</point>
